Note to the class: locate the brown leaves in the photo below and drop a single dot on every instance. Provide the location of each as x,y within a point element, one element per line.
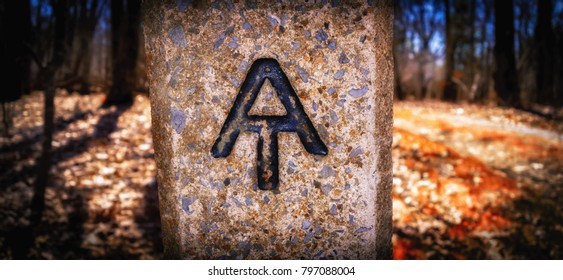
<point>455,192</point>
<point>469,182</point>
<point>102,200</point>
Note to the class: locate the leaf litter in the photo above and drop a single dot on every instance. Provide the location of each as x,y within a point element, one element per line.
<point>470,182</point>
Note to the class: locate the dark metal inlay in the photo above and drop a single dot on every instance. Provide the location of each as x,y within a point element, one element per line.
<point>267,127</point>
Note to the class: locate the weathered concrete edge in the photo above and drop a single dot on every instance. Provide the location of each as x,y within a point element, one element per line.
<point>163,150</point>
<point>384,127</point>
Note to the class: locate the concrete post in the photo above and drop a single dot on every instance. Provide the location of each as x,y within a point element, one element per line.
<point>272,127</point>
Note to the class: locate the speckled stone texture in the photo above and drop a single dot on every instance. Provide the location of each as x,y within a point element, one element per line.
<point>337,57</point>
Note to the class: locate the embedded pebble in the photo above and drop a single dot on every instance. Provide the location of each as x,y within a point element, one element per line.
<point>273,21</point>
<point>177,36</point>
<point>356,152</point>
<point>236,201</point>
<point>362,230</point>
<point>333,210</point>
<point>333,117</point>
<point>303,74</point>
<point>332,45</point>
<point>343,59</point>
<point>339,74</point>
<point>186,202</point>
<point>222,36</point>
<point>233,45</point>
<point>178,119</point>
<point>248,200</point>
<point>321,35</point>
<point>326,189</point>
<point>358,92</point>
<point>327,172</point>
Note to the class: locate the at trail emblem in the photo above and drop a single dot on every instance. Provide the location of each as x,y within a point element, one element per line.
<point>267,127</point>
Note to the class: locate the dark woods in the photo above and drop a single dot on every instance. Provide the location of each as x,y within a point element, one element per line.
<point>90,36</point>
<point>480,51</point>
<point>125,25</point>
<point>61,44</point>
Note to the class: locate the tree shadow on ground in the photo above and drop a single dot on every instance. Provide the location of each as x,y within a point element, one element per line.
<point>149,219</point>
<point>106,125</point>
<point>21,239</point>
<point>28,148</point>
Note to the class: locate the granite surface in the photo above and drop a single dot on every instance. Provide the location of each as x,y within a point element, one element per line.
<point>337,58</point>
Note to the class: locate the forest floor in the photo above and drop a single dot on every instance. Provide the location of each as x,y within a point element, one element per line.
<point>470,182</point>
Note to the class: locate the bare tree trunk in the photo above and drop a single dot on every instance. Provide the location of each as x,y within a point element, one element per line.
<point>484,91</point>
<point>125,48</point>
<point>398,42</point>
<point>558,68</point>
<point>15,61</point>
<point>473,75</point>
<point>421,78</point>
<point>545,40</point>
<point>450,90</point>
<point>6,118</point>
<point>505,74</point>
<point>21,239</point>
<point>90,13</point>
<point>44,164</point>
<point>399,92</point>
<point>81,68</point>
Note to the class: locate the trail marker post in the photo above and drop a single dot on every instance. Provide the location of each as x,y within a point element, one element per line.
<point>272,127</point>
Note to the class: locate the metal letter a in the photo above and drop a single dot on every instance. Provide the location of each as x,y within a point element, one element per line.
<point>267,127</point>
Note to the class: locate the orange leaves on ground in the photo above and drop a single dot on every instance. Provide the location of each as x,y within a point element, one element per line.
<point>478,222</point>
<point>404,250</point>
<point>470,191</point>
<point>475,182</point>
<point>470,173</point>
<point>413,142</point>
<point>474,172</point>
<point>530,146</point>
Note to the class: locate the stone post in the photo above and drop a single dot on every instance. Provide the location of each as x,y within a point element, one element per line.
<point>272,127</point>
